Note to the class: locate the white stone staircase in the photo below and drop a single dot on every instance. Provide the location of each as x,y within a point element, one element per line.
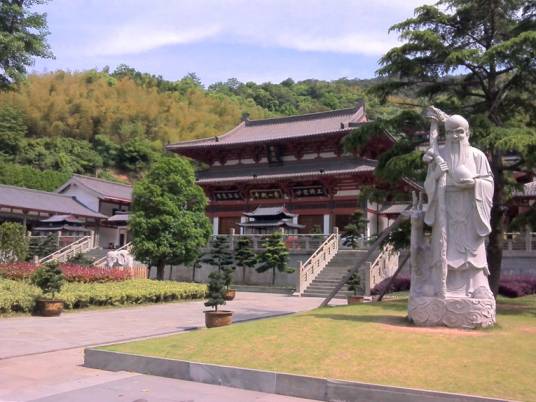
<point>79,246</point>
<point>331,275</point>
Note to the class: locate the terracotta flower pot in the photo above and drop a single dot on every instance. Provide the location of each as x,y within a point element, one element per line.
<point>218,318</point>
<point>49,308</point>
<point>229,294</point>
<point>353,299</point>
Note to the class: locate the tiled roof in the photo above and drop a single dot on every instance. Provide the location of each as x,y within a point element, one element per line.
<point>394,209</point>
<point>303,168</point>
<point>35,200</point>
<point>119,218</point>
<point>61,218</point>
<point>261,224</point>
<point>281,128</point>
<point>269,211</point>
<point>104,188</point>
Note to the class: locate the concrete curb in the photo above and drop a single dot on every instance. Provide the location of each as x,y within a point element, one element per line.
<point>321,389</point>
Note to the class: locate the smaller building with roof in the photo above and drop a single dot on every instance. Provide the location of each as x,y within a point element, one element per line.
<point>268,220</point>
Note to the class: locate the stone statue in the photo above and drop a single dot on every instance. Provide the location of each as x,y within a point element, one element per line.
<point>449,284</point>
<point>123,258</point>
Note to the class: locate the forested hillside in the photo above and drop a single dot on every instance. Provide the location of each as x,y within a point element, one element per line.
<point>115,123</point>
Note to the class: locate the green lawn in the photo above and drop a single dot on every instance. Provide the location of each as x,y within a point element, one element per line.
<point>373,343</point>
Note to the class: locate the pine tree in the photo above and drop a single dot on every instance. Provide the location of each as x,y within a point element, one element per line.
<point>220,256</point>
<point>244,255</point>
<point>274,256</point>
<point>216,290</point>
<point>476,58</point>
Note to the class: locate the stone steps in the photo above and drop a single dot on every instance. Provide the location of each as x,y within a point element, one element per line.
<point>326,280</point>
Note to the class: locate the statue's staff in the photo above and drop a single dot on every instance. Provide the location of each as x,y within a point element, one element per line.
<point>440,173</point>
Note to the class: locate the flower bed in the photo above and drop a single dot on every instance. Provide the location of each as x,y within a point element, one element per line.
<point>19,296</point>
<point>71,272</point>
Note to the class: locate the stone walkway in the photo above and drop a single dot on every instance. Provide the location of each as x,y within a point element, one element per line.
<point>42,357</point>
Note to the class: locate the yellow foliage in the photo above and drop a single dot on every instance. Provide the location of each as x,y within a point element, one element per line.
<point>84,104</point>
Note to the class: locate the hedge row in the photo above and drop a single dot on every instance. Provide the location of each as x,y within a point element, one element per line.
<point>20,296</point>
<point>71,272</point>
<point>509,285</point>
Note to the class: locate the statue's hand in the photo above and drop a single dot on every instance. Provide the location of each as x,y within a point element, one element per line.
<point>465,183</point>
<point>429,156</point>
<point>442,165</point>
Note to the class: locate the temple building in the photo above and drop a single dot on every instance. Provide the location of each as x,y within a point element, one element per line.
<point>297,163</point>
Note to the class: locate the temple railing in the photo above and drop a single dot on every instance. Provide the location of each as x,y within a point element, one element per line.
<point>382,266</point>
<point>519,243</point>
<point>296,243</point>
<point>79,246</point>
<point>317,261</point>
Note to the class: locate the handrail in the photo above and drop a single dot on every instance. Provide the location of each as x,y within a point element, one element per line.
<point>58,254</point>
<point>373,248</point>
<point>519,242</point>
<point>317,261</point>
<point>102,260</point>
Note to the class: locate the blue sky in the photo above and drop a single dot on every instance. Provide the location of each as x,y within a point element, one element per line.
<point>252,40</point>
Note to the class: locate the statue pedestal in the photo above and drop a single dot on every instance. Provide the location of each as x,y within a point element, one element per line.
<point>454,312</point>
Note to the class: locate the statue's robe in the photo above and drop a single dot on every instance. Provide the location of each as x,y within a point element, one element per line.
<point>467,220</point>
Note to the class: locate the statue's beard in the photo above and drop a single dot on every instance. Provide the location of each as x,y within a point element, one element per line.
<point>457,151</point>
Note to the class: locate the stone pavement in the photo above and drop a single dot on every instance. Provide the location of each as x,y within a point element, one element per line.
<point>42,357</point>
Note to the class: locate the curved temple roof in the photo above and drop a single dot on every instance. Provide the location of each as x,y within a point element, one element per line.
<point>282,128</point>
<point>35,200</point>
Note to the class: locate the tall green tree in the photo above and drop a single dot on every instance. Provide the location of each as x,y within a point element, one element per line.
<point>168,221</point>
<point>476,58</point>
<point>244,255</point>
<point>12,131</point>
<point>275,255</point>
<point>22,37</point>
<point>13,242</point>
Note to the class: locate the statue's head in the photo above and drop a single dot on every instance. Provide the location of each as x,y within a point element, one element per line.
<point>457,129</point>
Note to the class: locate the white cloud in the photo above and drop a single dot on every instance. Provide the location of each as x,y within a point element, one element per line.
<point>134,39</point>
<point>372,44</point>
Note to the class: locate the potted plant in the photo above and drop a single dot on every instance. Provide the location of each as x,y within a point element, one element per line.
<point>220,257</point>
<point>216,292</point>
<point>49,279</point>
<point>354,285</point>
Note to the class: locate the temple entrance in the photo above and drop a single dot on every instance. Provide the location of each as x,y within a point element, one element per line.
<point>312,223</point>
<point>228,223</point>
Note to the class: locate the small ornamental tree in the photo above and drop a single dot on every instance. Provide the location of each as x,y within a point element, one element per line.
<point>274,256</point>
<point>168,222</point>
<point>44,247</point>
<point>216,290</point>
<point>49,279</point>
<point>355,229</point>
<point>13,242</point>
<point>220,257</point>
<point>244,255</point>
<point>354,283</point>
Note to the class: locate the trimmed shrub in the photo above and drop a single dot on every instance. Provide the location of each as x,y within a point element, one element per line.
<point>16,296</point>
<point>400,284</point>
<point>509,286</point>
<point>517,286</point>
<point>20,296</point>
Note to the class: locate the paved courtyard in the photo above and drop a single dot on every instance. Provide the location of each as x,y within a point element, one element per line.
<point>41,358</point>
